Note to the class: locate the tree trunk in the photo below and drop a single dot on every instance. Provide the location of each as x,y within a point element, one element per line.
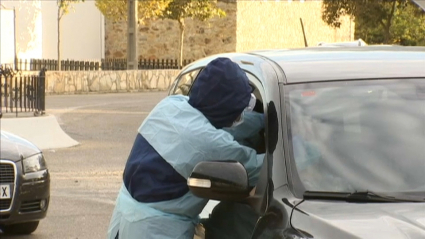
<point>59,38</point>
<point>182,27</point>
<point>132,52</point>
<point>387,34</point>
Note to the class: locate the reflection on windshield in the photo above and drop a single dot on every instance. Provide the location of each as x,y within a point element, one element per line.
<point>367,135</point>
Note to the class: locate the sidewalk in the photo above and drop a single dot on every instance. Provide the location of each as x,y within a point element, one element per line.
<point>44,131</point>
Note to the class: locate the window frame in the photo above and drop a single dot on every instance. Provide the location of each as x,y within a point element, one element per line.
<point>174,88</point>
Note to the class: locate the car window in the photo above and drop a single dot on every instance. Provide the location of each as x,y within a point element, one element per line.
<point>357,136</point>
<point>185,82</point>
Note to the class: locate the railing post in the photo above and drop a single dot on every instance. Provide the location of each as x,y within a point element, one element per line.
<point>6,87</point>
<point>10,86</point>
<point>41,103</point>
<point>102,64</point>
<point>25,88</point>
<point>40,64</point>
<point>15,95</point>
<point>20,92</point>
<point>30,92</point>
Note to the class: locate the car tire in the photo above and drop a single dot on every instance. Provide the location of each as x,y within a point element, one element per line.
<point>21,228</point>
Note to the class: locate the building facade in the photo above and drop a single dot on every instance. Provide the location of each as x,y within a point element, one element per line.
<point>248,25</point>
<point>35,30</point>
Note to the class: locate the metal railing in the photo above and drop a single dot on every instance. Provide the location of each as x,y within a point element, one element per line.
<point>143,64</point>
<point>22,93</point>
<point>108,64</point>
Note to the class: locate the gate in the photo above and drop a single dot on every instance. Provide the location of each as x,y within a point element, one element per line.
<point>21,92</point>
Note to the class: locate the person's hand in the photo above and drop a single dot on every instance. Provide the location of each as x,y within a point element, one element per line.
<point>252,192</point>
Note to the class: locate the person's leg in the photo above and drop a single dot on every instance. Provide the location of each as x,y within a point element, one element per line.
<point>230,220</point>
<point>160,227</point>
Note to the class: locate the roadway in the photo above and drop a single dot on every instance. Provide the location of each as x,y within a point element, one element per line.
<point>85,178</point>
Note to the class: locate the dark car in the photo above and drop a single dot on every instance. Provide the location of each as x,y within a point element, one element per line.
<point>344,140</point>
<point>24,185</point>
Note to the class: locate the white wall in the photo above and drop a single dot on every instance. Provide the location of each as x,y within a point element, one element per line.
<point>82,32</point>
<point>50,9</point>
<point>28,27</point>
<point>7,36</point>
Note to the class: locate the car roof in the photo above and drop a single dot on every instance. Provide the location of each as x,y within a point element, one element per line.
<point>316,64</point>
<point>313,64</point>
<point>248,62</point>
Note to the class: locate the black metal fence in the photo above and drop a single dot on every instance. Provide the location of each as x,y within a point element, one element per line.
<point>109,64</point>
<point>22,93</point>
<point>52,65</point>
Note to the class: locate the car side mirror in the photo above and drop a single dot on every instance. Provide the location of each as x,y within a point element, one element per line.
<point>219,180</point>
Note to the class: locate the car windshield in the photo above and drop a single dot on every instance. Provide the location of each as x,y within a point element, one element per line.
<point>358,135</point>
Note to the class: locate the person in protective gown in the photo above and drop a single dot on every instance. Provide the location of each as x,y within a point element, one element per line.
<point>154,200</point>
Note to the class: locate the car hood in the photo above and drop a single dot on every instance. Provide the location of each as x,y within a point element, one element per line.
<point>13,147</point>
<point>360,220</point>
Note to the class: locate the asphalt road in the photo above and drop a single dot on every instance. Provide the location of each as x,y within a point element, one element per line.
<point>85,179</point>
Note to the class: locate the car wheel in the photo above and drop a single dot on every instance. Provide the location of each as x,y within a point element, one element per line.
<point>21,228</point>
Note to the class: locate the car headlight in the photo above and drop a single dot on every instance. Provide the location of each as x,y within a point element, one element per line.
<point>34,163</point>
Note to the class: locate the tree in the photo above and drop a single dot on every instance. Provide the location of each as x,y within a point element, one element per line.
<point>116,10</point>
<point>64,6</point>
<point>409,26</point>
<point>376,21</point>
<point>179,10</point>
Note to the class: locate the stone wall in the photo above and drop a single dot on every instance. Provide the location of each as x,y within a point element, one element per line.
<point>72,82</point>
<point>249,25</point>
<point>281,28</point>
<point>160,39</point>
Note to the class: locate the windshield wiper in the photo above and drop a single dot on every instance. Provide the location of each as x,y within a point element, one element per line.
<point>325,195</point>
<point>369,196</point>
<point>361,196</point>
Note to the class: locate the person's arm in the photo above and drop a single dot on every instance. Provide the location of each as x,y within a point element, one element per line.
<point>245,155</point>
<point>253,123</point>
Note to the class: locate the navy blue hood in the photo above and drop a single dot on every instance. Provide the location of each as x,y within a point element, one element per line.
<point>221,92</point>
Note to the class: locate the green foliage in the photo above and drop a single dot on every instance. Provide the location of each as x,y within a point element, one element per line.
<point>379,21</point>
<point>409,26</point>
<point>194,9</point>
<point>177,10</point>
<point>165,9</point>
<point>65,6</point>
<point>201,10</point>
<point>374,11</point>
<point>117,9</point>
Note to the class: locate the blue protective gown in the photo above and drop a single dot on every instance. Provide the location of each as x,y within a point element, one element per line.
<point>154,200</point>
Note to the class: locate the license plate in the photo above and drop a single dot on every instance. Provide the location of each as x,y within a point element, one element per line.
<point>5,191</point>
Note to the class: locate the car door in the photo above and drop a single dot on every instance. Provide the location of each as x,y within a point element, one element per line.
<point>258,74</point>
<point>274,214</point>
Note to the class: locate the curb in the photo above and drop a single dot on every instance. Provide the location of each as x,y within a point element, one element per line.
<point>43,131</point>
